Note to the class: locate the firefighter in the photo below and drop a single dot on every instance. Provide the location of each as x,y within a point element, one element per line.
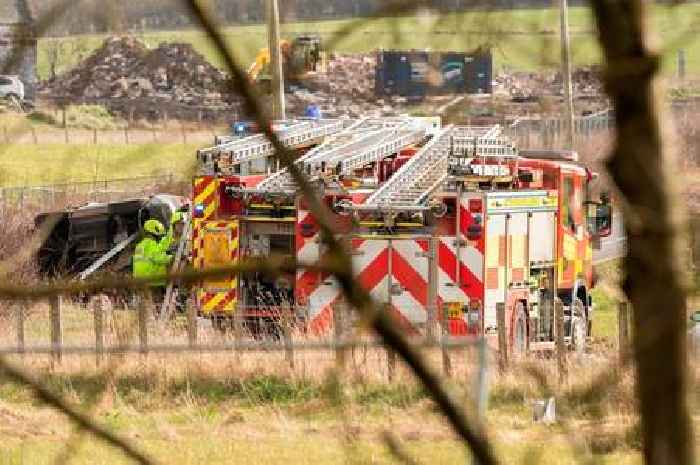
<point>151,258</point>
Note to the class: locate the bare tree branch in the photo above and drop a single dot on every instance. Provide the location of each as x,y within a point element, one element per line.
<point>81,420</point>
<point>340,259</point>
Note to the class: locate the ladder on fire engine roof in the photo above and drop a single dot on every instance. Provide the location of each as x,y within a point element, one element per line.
<point>368,140</point>
<point>420,176</point>
<point>427,170</point>
<point>237,150</point>
<point>481,141</point>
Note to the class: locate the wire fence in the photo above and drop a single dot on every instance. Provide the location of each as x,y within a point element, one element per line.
<point>171,133</point>
<point>102,190</point>
<point>550,132</point>
<point>62,329</point>
<point>528,131</point>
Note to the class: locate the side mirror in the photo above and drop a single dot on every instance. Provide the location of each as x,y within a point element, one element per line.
<point>600,219</point>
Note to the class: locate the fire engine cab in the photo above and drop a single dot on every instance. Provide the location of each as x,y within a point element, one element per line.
<point>445,224</point>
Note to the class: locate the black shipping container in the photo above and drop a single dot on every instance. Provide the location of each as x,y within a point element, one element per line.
<point>401,73</point>
<point>415,74</point>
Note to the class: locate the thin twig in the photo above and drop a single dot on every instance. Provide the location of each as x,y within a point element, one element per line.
<point>340,258</point>
<point>81,420</point>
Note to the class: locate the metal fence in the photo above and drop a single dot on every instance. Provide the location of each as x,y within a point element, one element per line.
<point>549,132</point>
<point>103,190</point>
<point>168,134</point>
<point>59,330</point>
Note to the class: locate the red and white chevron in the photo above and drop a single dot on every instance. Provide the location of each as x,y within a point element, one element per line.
<point>395,272</point>
<point>316,291</point>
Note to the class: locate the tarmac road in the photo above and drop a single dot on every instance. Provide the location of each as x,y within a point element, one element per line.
<point>614,246</point>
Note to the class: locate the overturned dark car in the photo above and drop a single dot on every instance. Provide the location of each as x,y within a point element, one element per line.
<point>81,240</point>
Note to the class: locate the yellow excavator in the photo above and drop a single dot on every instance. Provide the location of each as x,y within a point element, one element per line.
<point>301,56</point>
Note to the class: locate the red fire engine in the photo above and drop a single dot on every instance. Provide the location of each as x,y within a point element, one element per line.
<point>444,224</point>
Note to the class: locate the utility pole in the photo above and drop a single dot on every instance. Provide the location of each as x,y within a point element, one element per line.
<point>566,73</point>
<point>273,36</point>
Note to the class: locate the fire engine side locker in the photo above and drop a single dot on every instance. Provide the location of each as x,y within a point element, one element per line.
<point>520,228</point>
<point>395,271</point>
<point>257,237</point>
<point>215,245</point>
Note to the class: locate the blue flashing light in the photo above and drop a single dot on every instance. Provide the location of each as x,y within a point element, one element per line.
<point>312,111</point>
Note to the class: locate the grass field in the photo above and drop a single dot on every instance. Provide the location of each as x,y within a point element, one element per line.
<point>23,164</point>
<point>221,409</point>
<point>251,407</point>
<point>521,39</point>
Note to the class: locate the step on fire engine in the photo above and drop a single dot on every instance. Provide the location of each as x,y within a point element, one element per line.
<point>444,224</point>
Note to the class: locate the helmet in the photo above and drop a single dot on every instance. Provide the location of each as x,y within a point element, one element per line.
<point>154,227</point>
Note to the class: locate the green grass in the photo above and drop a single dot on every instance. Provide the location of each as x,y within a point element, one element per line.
<point>178,428</point>
<point>606,299</point>
<point>297,449</point>
<point>605,315</point>
<point>25,164</point>
<point>521,39</point>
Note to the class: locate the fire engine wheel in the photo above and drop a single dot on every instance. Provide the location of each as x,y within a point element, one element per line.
<point>220,323</point>
<point>578,327</point>
<point>519,331</point>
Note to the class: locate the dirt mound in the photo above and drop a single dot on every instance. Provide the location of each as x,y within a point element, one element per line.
<point>95,76</point>
<point>347,89</point>
<point>179,68</point>
<point>123,72</point>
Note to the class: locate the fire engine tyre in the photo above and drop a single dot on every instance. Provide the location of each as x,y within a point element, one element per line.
<point>520,331</point>
<point>578,327</point>
<point>220,323</point>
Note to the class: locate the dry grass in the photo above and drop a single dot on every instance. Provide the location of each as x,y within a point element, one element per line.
<point>164,402</point>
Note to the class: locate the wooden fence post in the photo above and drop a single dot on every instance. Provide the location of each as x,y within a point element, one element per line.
<point>338,318</point>
<point>94,136</point>
<point>192,325</point>
<point>502,338</point>
<point>98,313</point>
<point>623,322</point>
<point>695,242</point>
<point>560,346</point>
<point>19,313</point>
<point>287,333</point>
<point>446,361</point>
<point>56,330</point>
<point>143,327</point>
<point>391,364</point>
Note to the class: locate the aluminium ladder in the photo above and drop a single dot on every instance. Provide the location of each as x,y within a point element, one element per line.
<point>368,140</point>
<point>236,151</point>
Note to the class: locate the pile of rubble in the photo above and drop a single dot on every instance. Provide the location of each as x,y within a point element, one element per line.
<point>95,76</point>
<point>178,70</point>
<point>173,79</point>
<point>123,68</point>
<point>528,87</point>
<point>346,90</point>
